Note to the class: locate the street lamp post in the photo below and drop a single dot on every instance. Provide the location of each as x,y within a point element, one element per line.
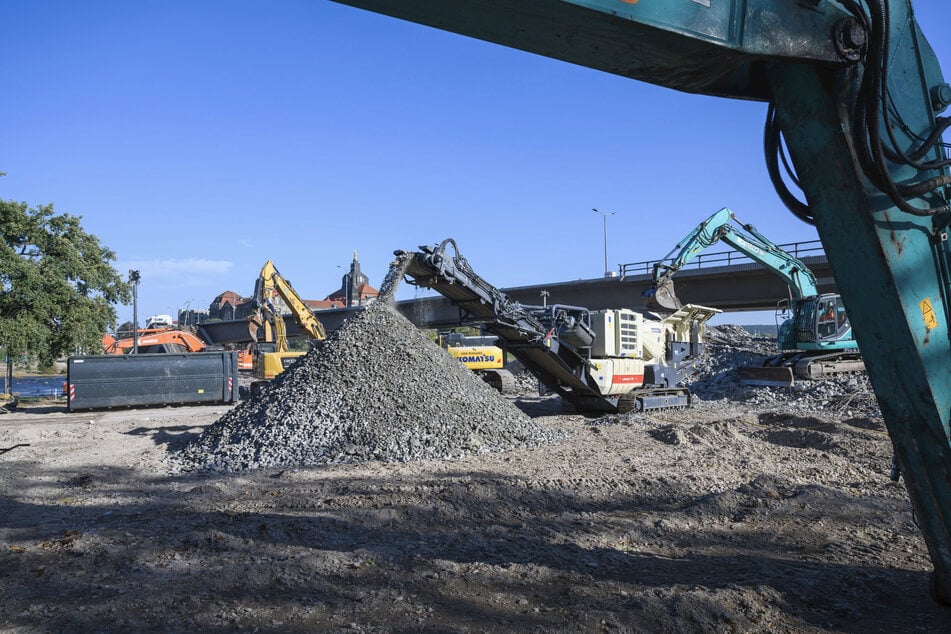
<point>604,216</point>
<point>134,277</point>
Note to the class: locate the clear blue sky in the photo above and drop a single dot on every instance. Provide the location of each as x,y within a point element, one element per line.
<point>200,139</point>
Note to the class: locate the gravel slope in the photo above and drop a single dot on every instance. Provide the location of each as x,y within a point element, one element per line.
<point>377,389</point>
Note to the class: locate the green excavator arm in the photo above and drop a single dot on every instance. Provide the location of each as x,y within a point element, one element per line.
<point>855,89</point>
<point>745,239</point>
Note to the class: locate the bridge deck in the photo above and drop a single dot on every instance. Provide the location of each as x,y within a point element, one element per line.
<point>727,280</point>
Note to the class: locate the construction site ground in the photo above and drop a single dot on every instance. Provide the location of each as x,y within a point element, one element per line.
<point>725,517</point>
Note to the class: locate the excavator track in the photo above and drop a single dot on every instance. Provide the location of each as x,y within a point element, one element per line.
<point>502,381</point>
<point>783,370</point>
<point>653,400</point>
<point>827,365</point>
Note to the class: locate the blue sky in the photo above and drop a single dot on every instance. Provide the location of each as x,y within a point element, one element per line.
<point>199,140</point>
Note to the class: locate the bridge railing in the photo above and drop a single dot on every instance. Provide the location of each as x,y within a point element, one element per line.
<point>798,250</point>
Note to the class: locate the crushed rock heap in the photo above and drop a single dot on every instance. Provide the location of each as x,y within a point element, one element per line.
<point>378,389</point>
<point>728,347</point>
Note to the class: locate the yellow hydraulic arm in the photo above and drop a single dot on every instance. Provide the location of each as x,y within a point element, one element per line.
<point>270,281</point>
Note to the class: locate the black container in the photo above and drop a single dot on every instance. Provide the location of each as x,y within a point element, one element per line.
<point>130,380</point>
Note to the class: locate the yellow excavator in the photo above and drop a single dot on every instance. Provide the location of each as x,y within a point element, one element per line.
<point>274,355</point>
<point>482,355</point>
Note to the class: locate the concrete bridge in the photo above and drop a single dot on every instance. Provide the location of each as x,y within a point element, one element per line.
<point>727,280</point>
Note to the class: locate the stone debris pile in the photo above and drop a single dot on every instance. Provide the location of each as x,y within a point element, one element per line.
<point>525,381</point>
<point>377,389</point>
<point>729,347</point>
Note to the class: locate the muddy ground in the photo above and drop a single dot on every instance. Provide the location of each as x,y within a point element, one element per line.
<point>725,517</point>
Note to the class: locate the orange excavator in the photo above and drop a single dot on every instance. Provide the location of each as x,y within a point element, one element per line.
<point>155,340</point>
<point>159,340</point>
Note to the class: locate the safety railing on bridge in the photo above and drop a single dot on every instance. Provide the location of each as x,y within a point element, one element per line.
<point>798,250</point>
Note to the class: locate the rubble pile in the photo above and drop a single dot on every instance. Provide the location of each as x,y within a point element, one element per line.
<point>377,389</point>
<point>525,381</point>
<point>729,347</point>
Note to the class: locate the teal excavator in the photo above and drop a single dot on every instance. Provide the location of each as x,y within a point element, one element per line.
<point>853,93</point>
<point>815,336</point>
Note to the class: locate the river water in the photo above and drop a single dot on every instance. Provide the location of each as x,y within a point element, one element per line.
<point>35,386</point>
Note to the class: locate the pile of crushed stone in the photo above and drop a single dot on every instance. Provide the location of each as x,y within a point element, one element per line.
<point>377,389</point>
<point>525,381</point>
<point>716,379</point>
<point>728,347</point>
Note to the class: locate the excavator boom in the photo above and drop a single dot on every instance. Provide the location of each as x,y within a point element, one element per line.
<point>745,239</point>
<point>697,46</point>
<point>271,282</point>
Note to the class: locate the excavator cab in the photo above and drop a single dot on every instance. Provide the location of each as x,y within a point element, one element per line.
<point>821,323</point>
<point>814,341</point>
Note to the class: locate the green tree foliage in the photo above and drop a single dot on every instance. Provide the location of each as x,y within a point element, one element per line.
<point>125,329</point>
<point>57,284</point>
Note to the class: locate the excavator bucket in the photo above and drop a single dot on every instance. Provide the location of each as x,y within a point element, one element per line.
<point>661,297</point>
<point>253,328</point>
<point>770,376</point>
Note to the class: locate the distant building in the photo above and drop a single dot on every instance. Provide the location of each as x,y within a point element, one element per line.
<point>193,316</point>
<point>229,305</point>
<point>355,289</point>
<point>323,304</point>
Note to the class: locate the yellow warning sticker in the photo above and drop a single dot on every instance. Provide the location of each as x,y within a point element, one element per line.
<point>927,311</point>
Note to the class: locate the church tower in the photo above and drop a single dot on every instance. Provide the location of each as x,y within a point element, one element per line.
<point>355,289</point>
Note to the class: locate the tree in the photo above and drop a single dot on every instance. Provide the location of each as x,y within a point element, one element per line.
<point>125,329</point>
<point>57,284</point>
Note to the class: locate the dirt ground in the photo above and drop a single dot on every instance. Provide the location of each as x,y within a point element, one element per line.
<point>720,518</point>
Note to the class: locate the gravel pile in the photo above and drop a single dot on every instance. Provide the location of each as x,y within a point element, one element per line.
<point>377,389</point>
<point>729,347</point>
<point>525,381</point>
